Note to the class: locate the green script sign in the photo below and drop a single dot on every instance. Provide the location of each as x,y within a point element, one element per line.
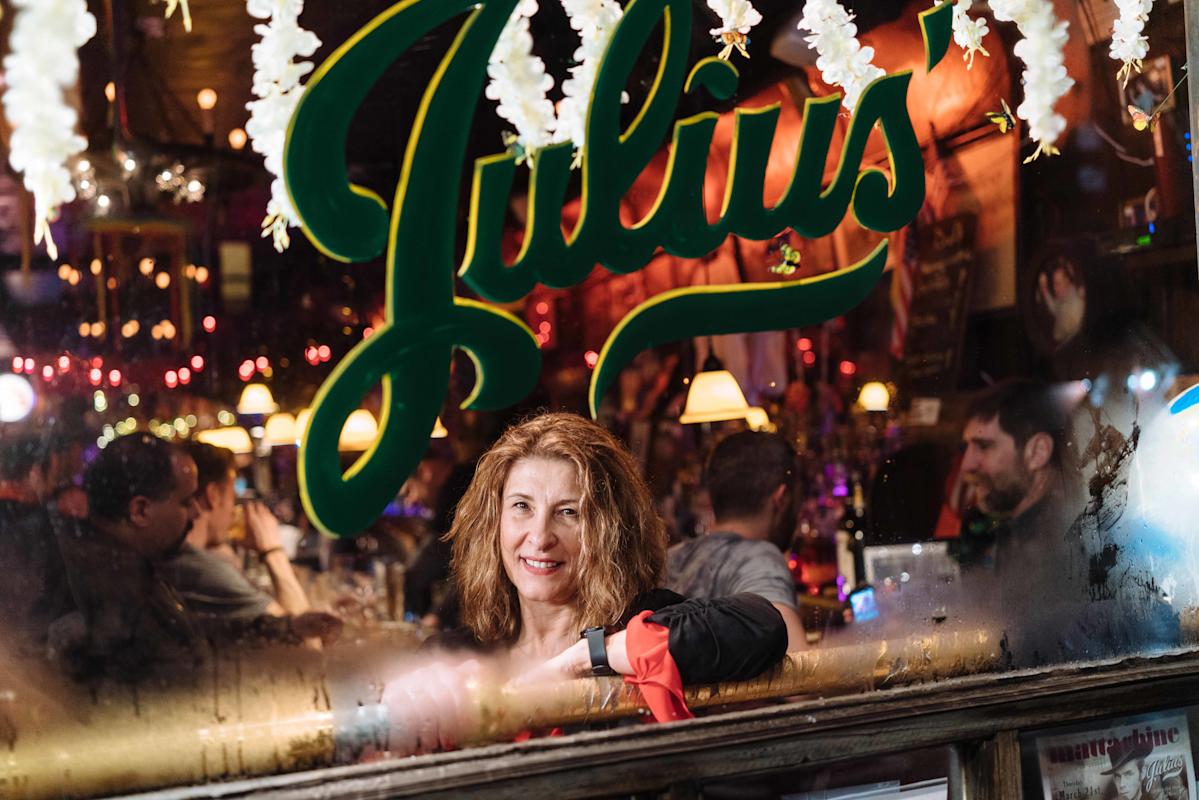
<point>410,354</point>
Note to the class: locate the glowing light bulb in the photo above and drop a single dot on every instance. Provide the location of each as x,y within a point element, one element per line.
<point>17,398</point>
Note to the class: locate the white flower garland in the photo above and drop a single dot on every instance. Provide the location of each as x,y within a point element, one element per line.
<point>738,17</point>
<point>968,33</point>
<point>277,76</point>
<point>43,63</point>
<point>1045,77</point>
<point>1129,44</point>
<point>520,83</point>
<point>842,60</point>
<point>595,21</point>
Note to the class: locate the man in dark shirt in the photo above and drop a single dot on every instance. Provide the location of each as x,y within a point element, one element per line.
<point>141,503</point>
<point>1024,551</point>
<point>750,478</point>
<point>1013,447</point>
<point>142,499</point>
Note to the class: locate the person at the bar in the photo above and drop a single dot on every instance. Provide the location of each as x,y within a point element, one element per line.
<point>210,582</point>
<point>1013,455</point>
<point>559,556</point>
<point>127,618</point>
<point>141,501</point>
<point>750,477</point>
<point>32,591</point>
<point>1024,554</point>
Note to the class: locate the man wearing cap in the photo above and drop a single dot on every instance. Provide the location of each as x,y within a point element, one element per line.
<point>1128,769</point>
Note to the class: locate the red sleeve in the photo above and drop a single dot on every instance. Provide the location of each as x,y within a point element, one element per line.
<point>654,671</point>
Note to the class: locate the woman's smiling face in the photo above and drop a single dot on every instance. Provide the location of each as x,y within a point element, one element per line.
<point>541,530</point>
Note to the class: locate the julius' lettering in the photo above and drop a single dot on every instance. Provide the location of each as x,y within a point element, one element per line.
<point>410,355</point>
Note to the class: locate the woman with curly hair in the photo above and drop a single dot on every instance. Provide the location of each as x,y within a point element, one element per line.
<point>557,535</point>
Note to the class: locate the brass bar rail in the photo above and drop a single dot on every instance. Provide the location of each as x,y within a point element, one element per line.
<point>239,716</point>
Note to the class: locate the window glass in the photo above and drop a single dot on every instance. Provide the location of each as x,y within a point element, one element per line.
<point>981,457</point>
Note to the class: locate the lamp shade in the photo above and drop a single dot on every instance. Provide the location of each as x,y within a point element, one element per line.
<point>233,438</point>
<point>714,396</point>
<point>280,430</point>
<point>302,423</point>
<point>257,399</point>
<point>359,432</point>
<point>439,431</point>
<point>758,420</point>
<point>874,397</point>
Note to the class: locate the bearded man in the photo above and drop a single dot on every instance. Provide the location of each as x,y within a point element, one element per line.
<point>1012,460</point>
<point>1022,557</point>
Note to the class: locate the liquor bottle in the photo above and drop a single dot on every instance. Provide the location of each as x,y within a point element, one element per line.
<point>850,557</point>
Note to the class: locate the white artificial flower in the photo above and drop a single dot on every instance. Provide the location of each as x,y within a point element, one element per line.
<point>737,18</point>
<point>519,83</point>
<point>842,60</point>
<point>42,64</point>
<point>968,33</point>
<point>595,21</point>
<point>277,85</point>
<point>1042,49</point>
<point>1129,44</point>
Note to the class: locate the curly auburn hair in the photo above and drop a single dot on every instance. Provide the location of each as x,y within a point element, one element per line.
<point>623,541</point>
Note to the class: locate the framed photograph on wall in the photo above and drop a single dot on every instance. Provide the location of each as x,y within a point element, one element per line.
<point>1147,89</point>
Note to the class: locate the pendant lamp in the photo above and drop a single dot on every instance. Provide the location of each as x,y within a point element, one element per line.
<point>256,398</point>
<point>280,430</point>
<point>233,438</point>
<point>714,396</point>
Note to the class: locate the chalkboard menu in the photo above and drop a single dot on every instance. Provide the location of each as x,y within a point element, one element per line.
<point>940,302</point>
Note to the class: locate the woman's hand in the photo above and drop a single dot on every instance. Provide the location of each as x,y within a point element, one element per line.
<point>432,708</point>
<point>575,662</point>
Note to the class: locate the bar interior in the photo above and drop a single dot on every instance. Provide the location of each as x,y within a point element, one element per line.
<point>624,398</point>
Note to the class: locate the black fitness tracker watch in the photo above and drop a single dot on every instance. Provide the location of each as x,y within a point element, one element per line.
<point>598,651</point>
